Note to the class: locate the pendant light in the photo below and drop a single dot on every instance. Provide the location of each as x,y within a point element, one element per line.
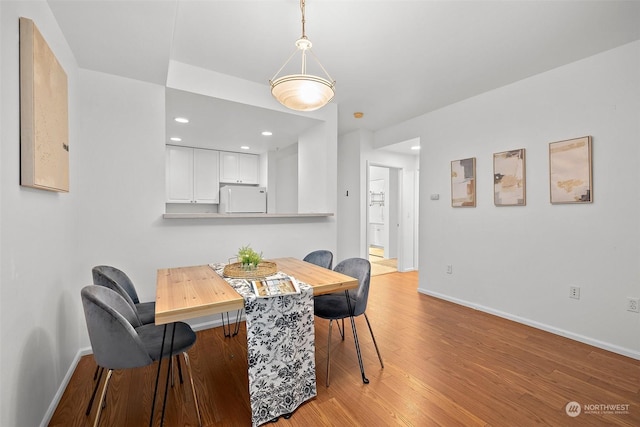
<point>302,92</point>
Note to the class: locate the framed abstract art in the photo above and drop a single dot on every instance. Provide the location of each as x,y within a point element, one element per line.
<point>509,178</point>
<point>570,171</point>
<point>463,183</point>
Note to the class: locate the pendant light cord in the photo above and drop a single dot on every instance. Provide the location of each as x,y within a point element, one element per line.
<point>304,36</point>
<point>304,63</point>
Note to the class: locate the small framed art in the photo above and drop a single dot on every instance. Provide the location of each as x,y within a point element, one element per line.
<point>570,171</point>
<point>509,175</point>
<point>463,183</point>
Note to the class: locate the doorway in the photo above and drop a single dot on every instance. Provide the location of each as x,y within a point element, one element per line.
<point>383,207</point>
<point>392,218</point>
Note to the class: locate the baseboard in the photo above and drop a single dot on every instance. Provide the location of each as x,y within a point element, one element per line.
<point>63,385</point>
<point>538,325</point>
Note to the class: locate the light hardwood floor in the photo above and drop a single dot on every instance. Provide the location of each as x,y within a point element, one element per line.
<point>445,365</point>
<point>383,266</point>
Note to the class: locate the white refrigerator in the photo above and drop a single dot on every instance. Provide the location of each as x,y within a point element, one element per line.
<point>242,199</point>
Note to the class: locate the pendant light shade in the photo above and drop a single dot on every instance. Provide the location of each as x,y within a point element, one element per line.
<point>302,92</point>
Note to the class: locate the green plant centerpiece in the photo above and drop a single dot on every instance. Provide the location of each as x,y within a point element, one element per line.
<point>249,258</point>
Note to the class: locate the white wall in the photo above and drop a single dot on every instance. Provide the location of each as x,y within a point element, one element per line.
<point>2,375</point>
<point>41,314</point>
<point>409,250</point>
<point>286,179</point>
<point>519,262</point>
<point>2,405</point>
<point>350,233</point>
<point>317,168</point>
<point>395,197</point>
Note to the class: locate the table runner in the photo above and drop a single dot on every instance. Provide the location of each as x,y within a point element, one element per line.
<point>281,349</point>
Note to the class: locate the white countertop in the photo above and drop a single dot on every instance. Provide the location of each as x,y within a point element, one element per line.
<point>243,215</point>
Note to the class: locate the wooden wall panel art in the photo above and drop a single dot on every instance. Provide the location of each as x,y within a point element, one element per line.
<point>44,117</point>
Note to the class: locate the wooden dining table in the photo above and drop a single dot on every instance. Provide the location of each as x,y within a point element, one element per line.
<point>184,293</point>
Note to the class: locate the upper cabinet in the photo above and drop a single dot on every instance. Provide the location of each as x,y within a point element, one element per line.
<point>191,175</point>
<point>238,168</point>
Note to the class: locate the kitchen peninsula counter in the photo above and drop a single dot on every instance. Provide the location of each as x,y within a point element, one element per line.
<point>244,215</point>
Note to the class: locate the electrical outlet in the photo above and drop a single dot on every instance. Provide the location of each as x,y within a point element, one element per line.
<point>574,292</point>
<point>449,269</point>
<point>633,304</point>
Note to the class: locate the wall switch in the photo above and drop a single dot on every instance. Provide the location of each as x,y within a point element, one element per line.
<point>574,292</point>
<point>434,197</point>
<point>449,269</point>
<point>633,304</point>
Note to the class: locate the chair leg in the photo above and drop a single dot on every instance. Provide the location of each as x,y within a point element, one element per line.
<point>169,370</point>
<point>171,374</point>
<point>102,396</point>
<point>193,388</point>
<point>374,340</point>
<point>365,380</point>
<point>155,389</point>
<point>341,329</point>
<point>95,374</point>
<point>96,377</point>
<point>329,351</point>
<point>179,369</point>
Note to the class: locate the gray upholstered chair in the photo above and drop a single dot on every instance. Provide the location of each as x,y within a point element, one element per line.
<point>120,341</point>
<point>321,257</point>
<point>337,306</point>
<point>111,277</point>
<point>117,280</point>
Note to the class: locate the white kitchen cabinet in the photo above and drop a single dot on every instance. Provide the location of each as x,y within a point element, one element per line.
<point>206,183</point>
<point>191,175</point>
<point>238,168</point>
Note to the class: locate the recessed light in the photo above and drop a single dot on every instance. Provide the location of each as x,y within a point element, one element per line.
<point>176,139</point>
<point>267,133</point>
<point>245,147</point>
<point>358,114</point>
<point>181,120</point>
<point>415,147</point>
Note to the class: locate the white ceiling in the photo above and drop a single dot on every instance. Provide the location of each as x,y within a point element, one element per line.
<point>225,125</point>
<point>393,60</point>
